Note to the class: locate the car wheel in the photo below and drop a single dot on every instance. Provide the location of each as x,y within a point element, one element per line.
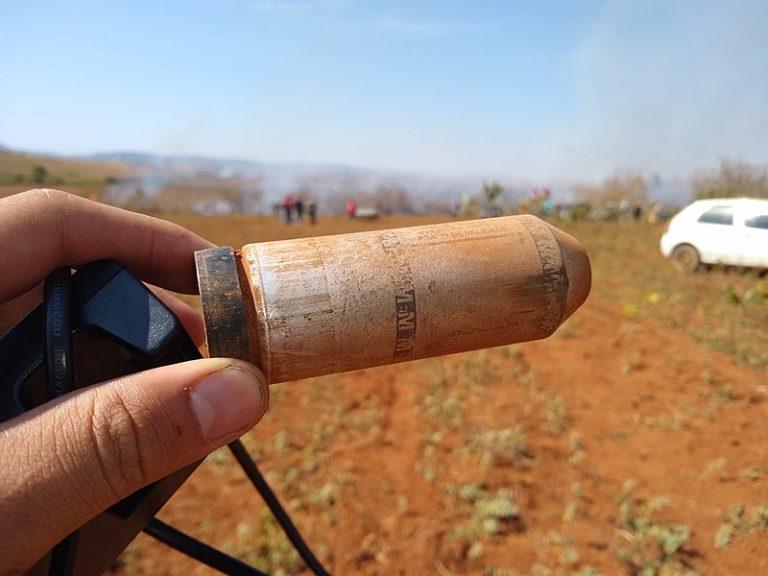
<point>686,258</point>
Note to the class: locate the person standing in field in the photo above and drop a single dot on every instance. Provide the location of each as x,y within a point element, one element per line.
<point>288,209</point>
<point>312,211</point>
<point>299,208</point>
<point>351,208</point>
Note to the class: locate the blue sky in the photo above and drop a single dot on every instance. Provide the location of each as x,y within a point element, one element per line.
<point>537,90</point>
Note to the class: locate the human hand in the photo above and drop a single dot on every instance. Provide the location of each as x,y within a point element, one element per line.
<point>69,459</point>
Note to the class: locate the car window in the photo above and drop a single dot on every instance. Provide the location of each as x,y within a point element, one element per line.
<point>760,221</point>
<point>718,215</point>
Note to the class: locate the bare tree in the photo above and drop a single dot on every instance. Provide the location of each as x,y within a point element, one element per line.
<point>733,179</point>
<point>491,191</point>
<point>208,195</point>
<point>630,187</point>
<point>392,199</point>
<point>39,174</point>
<point>242,196</point>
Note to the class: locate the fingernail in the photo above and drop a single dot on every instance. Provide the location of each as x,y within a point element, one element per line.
<point>227,402</point>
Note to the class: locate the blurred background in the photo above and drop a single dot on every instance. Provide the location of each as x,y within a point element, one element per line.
<point>631,442</point>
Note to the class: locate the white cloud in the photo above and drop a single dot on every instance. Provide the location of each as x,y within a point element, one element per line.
<point>669,87</point>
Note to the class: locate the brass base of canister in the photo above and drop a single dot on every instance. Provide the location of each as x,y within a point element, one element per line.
<point>224,308</point>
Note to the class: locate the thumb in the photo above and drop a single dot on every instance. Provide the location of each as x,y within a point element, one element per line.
<point>66,461</point>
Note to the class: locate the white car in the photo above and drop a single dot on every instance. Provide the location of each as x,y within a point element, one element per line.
<point>731,231</point>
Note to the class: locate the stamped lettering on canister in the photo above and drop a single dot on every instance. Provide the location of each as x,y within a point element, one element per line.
<point>405,295</point>
<point>405,312</point>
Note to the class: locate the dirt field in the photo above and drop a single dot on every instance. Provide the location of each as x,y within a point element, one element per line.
<point>631,442</point>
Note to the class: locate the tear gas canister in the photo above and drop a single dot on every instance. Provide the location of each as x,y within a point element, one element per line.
<point>312,306</point>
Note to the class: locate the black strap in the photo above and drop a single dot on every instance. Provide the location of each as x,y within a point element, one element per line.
<point>282,517</point>
<point>198,550</point>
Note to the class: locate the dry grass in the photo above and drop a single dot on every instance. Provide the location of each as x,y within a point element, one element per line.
<point>723,309</point>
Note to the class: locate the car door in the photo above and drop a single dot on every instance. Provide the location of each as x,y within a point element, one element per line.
<point>716,238</point>
<point>756,238</point>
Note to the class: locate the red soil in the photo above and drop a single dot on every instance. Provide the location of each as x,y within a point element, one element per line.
<point>605,400</point>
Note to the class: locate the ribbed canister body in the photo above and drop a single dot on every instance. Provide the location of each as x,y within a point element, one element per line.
<point>336,303</point>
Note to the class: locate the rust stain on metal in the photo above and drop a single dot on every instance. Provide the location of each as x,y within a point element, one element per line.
<point>335,303</point>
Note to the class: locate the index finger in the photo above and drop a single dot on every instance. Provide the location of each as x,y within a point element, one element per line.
<point>45,229</point>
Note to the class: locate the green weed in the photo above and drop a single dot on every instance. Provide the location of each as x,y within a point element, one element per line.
<point>264,546</point>
<point>505,446</point>
<point>754,473</point>
<point>740,521</point>
<point>492,513</point>
<point>649,546</point>
<point>714,468</point>
<point>557,415</point>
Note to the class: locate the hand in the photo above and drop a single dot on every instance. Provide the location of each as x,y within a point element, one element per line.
<point>68,460</point>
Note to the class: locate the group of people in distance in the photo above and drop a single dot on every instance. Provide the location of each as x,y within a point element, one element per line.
<point>293,210</point>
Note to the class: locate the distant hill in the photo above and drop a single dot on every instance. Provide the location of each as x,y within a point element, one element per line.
<point>279,179</point>
<point>21,168</point>
<point>330,183</point>
<point>157,182</point>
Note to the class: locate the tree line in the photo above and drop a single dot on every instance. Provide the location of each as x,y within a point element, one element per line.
<point>731,179</point>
